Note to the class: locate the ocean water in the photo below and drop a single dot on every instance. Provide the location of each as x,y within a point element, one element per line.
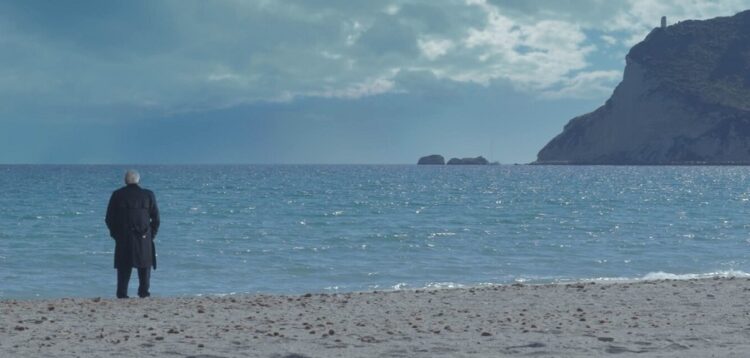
<point>310,228</point>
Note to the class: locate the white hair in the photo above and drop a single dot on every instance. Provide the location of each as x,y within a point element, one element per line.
<point>132,177</point>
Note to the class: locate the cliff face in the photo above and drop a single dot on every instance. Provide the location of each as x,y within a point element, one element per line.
<point>684,99</point>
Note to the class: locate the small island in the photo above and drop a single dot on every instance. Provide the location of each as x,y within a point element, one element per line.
<point>469,161</point>
<point>436,159</point>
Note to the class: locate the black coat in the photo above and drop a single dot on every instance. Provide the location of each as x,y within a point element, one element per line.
<point>133,221</point>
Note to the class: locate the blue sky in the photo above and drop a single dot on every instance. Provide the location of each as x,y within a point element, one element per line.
<point>310,81</point>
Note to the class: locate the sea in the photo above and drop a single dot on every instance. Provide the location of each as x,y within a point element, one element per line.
<point>293,229</point>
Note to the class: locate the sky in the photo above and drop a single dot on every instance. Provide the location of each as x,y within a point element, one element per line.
<point>310,81</point>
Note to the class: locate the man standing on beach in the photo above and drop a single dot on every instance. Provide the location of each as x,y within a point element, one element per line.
<point>133,220</point>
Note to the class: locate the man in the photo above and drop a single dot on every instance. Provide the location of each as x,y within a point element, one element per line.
<point>133,221</point>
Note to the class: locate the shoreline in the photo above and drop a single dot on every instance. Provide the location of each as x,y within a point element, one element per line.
<point>672,318</point>
<point>650,277</point>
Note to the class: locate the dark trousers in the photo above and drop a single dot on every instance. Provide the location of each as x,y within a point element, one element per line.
<point>123,278</point>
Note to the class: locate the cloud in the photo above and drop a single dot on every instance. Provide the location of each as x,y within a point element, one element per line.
<point>586,85</point>
<point>609,40</point>
<point>434,48</point>
<point>535,55</point>
<point>150,58</point>
<point>392,9</point>
<point>370,87</point>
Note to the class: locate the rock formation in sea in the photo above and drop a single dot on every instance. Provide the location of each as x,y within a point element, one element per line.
<point>684,99</point>
<point>468,161</point>
<point>435,159</point>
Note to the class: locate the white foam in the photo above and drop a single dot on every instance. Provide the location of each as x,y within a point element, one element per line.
<point>652,276</point>
<point>400,286</point>
<point>443,285</point>
<point>530,280</point>
<point>661,275</point>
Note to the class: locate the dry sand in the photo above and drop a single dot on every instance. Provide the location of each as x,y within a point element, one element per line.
<point>691,318</point>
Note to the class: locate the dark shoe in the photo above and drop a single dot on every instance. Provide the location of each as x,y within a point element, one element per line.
<point>144,295</point>
<point>118,296</point>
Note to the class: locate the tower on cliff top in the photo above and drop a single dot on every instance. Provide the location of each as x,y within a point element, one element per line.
<point>663,22</point>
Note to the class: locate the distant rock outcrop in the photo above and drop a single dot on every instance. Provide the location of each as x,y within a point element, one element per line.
<point>435,159</point>
<point>468,161</point>
<point>684,99</point>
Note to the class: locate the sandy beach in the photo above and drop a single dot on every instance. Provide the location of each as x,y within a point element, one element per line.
<point>685,318</point>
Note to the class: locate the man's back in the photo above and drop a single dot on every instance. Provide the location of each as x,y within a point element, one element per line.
<point>132,209</point>
<point>133,221</point>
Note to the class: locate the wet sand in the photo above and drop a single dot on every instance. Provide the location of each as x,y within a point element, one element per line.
<point>690,318</point>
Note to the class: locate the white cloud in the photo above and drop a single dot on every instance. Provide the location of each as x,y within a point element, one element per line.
<point>370,87</point>
<point>224,74</point>
<point>434,48</point>
<point>242,52</point>
<point>392,9</point>
<point>609,40</point>
<point>330,55</point>
<point>586,85</point>
<point>533,55</point>
<point>355,29</point>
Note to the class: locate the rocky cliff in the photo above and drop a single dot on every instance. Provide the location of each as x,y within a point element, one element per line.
<point>684,99</point>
